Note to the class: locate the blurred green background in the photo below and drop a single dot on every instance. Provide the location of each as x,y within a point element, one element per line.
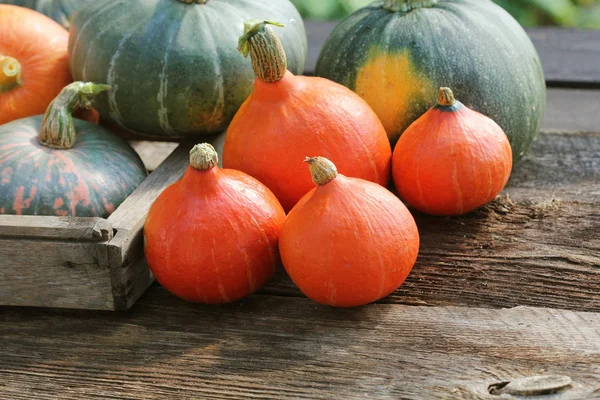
<point>569,13</point>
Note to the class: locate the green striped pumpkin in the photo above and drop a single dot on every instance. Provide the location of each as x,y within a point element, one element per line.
<point>396,54</point>
<point>173,64</point>
<point>59,166</point>
<point>58,10</point>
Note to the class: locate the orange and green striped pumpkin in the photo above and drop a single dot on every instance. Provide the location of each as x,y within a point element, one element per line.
<point>60,166</point>
<point>396,54</point>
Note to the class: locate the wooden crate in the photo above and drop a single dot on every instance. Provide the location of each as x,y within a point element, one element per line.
<point>84,263</point>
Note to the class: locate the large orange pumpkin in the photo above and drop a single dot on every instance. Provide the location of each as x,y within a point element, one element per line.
<point>288,116</point>
<point>34,65</point>
<point>451,160</point>
<point>348,242</point>
<point>212,236</point>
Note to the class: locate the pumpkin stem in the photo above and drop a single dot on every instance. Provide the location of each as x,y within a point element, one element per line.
<point>322,170</point>
<point>407,5</point>
<point>203,157</point>
<point>10,73</point>
<point>58,130</point>
<point>266,51</point>
<point>446,97</point>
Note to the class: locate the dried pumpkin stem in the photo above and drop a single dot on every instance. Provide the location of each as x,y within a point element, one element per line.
<point>446,97</point>
<point>265,49</point>
<point>321,169</point>
<point>58,130</point>
<point>407,5</point>
<point>10,73</point>
<point>203,157</point>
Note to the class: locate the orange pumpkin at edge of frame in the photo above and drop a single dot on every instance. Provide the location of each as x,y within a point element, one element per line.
<point>34,62</point>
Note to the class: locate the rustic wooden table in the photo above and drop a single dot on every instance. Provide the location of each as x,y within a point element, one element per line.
<point>507,292</point>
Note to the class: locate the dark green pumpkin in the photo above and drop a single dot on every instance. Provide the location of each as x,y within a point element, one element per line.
<point>58,10</point>
<point>398,53</point>
<point>45,169</point>
<point>174,67</point>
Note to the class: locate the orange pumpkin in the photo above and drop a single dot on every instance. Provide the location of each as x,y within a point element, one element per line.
<point>348,242</point>
<point>451,160</point>
<point>34,65</point>
<point>212,236</point>
<point>287,117</point>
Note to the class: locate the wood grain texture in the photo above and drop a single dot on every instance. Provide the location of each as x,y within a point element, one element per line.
<point>275,348</point>
<point>572,110</point>
<point>60,228</point>
<point>560,167</point>
<point>49,273</point>
<point>570,57</point>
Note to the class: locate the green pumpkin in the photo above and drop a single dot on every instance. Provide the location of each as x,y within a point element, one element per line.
<point>396,54</point>
<point>173,64</point>
<point>58,10</point>
<point>59,166</point>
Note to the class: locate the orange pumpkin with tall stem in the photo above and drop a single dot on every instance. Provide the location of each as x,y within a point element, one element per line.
<point>348,242</point>
<point>34,62</point>
<point>287,117</point>
<point>451,160</point>
<point>212,236</point>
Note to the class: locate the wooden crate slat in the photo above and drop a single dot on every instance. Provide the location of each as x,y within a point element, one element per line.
<point>60,228</point>
<point>273,348</point>
<point>569,57</point>
<point>51,273</point>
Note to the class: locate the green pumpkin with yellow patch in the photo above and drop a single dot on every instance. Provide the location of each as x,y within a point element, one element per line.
<point>396,54</point>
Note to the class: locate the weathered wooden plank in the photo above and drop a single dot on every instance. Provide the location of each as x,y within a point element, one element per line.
<point>572,110</point>
<point>560,166</point>
<point>60,228</point>
<point>274,348</point>
<point>570,58</point>
<point>46,273</point>
<point>131,214</point>
<point>153,153</point>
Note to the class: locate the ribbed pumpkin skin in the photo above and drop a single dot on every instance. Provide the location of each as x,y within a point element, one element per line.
<point>174,67</point>
<point>212,236</point>
<point>282,123</point>
<point>451,161</point>
<point>58,10</point>
<point>89,180</point>
<point>348,243</point>
<point>398,61</point>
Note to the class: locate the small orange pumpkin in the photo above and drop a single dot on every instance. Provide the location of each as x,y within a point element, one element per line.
<point>211,237</point>
<point>34,62</point>
<point>451,160</point>
<point>348,242</point>
<point>287,117</point>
